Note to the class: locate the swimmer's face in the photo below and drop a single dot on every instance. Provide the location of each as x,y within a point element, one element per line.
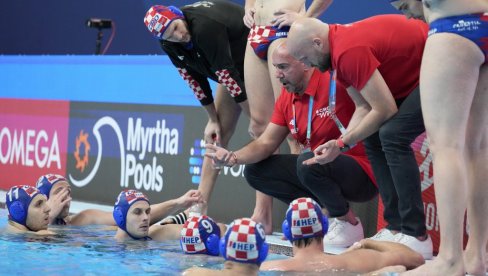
<point>58,188</point>
<point>38,213</point>
<point>290,72</point>
<point>177,31</point>
<point>410,8</point>
<point>138,218</point>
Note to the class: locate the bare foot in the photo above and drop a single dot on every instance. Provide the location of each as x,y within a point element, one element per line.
<point>475,265</point>
<point>439,266</point>
<point>265,220</point>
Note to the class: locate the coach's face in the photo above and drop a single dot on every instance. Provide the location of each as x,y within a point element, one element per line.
<point>177,31</point>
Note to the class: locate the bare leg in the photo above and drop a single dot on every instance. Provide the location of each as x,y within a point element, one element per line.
<point>450,69</point>
<point>228,112</point>
<point>477,156</point>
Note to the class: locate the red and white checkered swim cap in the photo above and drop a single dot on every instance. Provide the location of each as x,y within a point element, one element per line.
<point>159,17</point>
<point>245,242</point>
<point>200,234</point>
<point>304,219</point>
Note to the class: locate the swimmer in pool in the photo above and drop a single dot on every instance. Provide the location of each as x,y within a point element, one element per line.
<point>58,191</point>
<point>28,211</point>
<point>305,226</point>
<point>132,214</point>
<point>243,247</point>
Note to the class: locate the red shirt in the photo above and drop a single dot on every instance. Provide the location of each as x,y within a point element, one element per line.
<point>392,44</point>
<point>323,127</point>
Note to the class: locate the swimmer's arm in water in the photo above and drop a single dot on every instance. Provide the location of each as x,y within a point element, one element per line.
<point>44,233</point>
<point>284,17</point>
<point>165,232</point>
<point>163,209</point>
<point>253,152</point>
<point>388,253</point>
<point>93,216</point>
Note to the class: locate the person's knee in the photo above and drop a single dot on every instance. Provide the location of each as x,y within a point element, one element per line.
<point>251,174</point>
<point>304,171</point>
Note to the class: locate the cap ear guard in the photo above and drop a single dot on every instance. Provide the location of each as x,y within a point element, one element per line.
<point>263,253</point>
<point>285,228</point>
<point>212,245</point>
<point>17,212</point>
<point>119,217</point>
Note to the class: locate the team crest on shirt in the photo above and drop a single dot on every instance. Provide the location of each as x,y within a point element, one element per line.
<point>323,112</point>
<point>293,129</point>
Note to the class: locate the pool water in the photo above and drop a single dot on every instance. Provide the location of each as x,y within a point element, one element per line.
<point>92,250</point>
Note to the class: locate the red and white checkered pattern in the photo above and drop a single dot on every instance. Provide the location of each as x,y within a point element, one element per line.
<point>304,209</point>
<point>157,19</point>
<point>259,34</point>
<point>190,229</point>
<point>243,232</point>
<point>225,79</point>
<point>194,85</point>
<point>133,195</point>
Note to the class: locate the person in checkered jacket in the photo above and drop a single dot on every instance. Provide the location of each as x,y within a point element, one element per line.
<point>207,40</point>
<point>305,226</point>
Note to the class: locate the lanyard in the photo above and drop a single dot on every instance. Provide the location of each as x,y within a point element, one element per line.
<point>332,101</point>
<point>309,122</point>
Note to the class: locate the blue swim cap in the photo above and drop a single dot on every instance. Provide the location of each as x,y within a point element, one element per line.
<point>304,219</point>
<point>18,200</point>
<point>125,199</point>
<point>244,242</point>
<point>200,234</point>
<point>46,182</point>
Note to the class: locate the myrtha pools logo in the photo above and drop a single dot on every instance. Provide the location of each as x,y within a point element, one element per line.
<point>134,146</point>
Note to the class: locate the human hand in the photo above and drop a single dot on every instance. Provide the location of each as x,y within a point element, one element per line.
<point>189,198</point>
<point>57,202</point>
<point>220,156</point>
<point>324,154</point>
<point>211,133</point>
<point>284,17</point>
<point>249,17</point>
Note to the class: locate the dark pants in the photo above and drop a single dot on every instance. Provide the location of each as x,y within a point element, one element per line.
<point>332,185</point>
<point>395,168</point>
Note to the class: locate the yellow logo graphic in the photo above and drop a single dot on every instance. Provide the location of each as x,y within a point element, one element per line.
<point>82,162</point>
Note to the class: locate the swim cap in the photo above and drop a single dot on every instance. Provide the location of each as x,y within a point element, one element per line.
<point>46,182</point>
<point>18,200</point>
<point>304,219</point>
<point>159,17</point>
<point>200,234</point>
<point>244,242</point>
<point>125,199</point>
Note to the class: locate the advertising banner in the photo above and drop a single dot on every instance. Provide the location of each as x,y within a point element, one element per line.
<point>33,140</point>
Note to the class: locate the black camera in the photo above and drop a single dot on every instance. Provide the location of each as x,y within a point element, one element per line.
<point>99,23</point>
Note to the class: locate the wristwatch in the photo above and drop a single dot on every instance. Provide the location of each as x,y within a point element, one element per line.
<point>342,147</point>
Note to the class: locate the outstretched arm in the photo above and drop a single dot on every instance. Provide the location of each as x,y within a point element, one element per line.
<point>163,209</point>
<point>384,253</point>
<point>253,152</point>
